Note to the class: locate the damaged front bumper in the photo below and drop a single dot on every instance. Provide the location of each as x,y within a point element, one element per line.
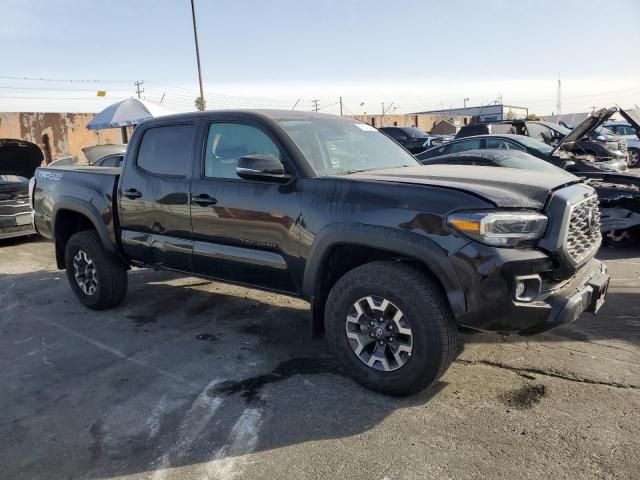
<point>490,279</point>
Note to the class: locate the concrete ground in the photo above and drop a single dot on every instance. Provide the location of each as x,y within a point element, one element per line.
<point>194,379</point>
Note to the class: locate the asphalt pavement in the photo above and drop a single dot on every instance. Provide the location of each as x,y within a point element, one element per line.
<point>195,379</point>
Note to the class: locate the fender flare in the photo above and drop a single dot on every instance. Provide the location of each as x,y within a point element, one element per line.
<point>88,210</point>
<point>407,244</point>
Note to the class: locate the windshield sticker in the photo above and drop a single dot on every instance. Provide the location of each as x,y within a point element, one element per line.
<point>365,127</point>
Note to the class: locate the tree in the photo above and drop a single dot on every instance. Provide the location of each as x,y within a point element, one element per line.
<point>200,104</point>
<point>532,116</point>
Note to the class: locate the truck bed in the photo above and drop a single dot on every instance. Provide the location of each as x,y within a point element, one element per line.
<point>86,189</point>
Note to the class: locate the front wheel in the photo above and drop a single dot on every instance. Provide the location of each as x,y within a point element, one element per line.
<point>97,277</point>
<point>390,327</point>
<point>634,158</point>
<point>621,238</point>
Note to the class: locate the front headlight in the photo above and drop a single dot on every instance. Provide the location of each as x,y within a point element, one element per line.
<point>500,228</point>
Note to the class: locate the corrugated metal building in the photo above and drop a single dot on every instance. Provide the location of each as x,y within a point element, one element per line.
<point>484,113</point>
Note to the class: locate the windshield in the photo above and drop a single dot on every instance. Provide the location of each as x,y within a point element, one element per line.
<point>338,146</point>
<point>558,128</point>
<point>538,145</point>
<point>414,132</point>
<point>13,179</point>
<point>531,163</point>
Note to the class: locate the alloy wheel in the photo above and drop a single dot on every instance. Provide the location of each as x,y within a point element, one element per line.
<point>85,273</point>
<point>379,333</point>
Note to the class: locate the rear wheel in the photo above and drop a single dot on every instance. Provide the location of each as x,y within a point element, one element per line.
<point>97,277</point>
<point>390,327</point>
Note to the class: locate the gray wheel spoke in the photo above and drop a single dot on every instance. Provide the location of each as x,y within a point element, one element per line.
<point>378,356</point>
<point>84,271</point>
<point>362,339</point>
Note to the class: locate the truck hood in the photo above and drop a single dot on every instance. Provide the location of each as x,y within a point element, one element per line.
<point>504,187</point>
<point>19,157</point>
<point>633,117</point>
<point>592,122</point>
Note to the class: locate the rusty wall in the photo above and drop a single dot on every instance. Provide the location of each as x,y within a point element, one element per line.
<point>67,132</point>
<point>423,122</point>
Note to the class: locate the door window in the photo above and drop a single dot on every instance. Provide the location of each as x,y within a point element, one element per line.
<point>166,150</point>
<point>227,142</point>
<point>471,144</point>
<point>502,144</point>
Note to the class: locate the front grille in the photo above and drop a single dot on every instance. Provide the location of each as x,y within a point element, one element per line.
<point>583,233</point>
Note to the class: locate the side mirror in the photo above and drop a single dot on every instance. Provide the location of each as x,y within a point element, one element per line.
<point>567,164</point>
<point>261,166</point>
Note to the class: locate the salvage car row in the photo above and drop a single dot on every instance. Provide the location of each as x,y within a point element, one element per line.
<point>602,160</point>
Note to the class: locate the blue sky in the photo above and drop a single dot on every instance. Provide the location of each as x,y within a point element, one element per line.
<point>417,54</point>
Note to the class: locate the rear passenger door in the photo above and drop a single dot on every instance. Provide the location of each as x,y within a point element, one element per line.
<point>153,197</point>
<point>243,230</point>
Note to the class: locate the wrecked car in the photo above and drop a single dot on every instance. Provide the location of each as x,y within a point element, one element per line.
<point>618,194</point>
<point>607,154</point>
<point>392,256</point>
<point>18,162</point>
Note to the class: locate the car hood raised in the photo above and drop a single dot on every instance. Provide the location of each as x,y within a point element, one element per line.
<point>504,187</point>
<point>19,157</point>
<point>95,153</point>
<point>592,122</point>
<point>633,117</point>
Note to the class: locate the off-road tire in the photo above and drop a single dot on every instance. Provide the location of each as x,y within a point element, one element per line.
<point>110,271</point>
<point>420,298</point>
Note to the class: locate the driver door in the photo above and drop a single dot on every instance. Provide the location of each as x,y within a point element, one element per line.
<point>244,231</point>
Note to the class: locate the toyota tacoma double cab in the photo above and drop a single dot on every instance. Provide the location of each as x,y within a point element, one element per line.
<point>393,256</point>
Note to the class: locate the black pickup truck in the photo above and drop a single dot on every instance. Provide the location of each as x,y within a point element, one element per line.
<point>393,256</point>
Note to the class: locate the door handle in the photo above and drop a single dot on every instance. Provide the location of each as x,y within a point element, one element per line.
<point>203,200</point>
<point>132,193</point>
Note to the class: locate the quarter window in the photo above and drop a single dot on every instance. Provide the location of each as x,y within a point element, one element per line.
<point>166,150</point>
<point>227,142</point>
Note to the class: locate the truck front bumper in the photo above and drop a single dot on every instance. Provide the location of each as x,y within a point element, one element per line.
<point>490,276</point>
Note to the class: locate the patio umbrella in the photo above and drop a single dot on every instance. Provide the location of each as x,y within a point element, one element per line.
<point>126,113</point>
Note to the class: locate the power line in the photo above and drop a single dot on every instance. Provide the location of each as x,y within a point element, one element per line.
<point>43,79</point>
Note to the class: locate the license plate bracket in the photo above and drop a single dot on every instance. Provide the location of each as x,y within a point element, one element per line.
<point>600,285</point>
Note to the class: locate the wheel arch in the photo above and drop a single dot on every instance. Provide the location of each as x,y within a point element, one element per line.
<point>377,243</point>
<point>73,216</point>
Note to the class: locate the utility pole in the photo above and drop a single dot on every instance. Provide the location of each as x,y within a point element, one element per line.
<point>340,106</point>
<point>559,99</point>
<point>465,100</point>
<point>316,107</point>
<point>201,104</point>
<point>138,84</point>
